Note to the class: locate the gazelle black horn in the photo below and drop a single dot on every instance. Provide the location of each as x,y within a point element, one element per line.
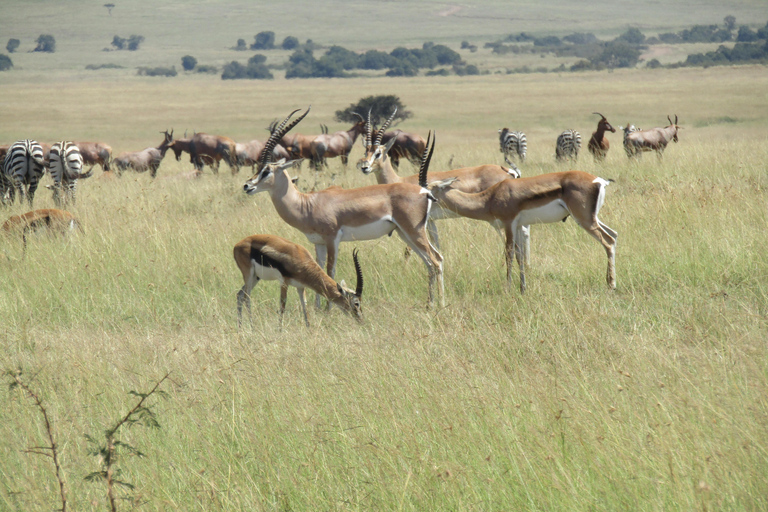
<point>384,127</point>
<point>279,133</point>
<point>426,158</point>
<point>359,272</point>
<point>368,130</point>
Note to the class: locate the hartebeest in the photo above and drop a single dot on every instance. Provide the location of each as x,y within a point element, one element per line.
<point>271,258</point>
<point>95,153</point>
<point>539,199</point>
<point>145,160</point>
<point>50,219</point>
<point>598,143</point>
<point>336,215</point>
<point>406,145</point>
<point>470,179</point>
<point>655,139</point>
<point>212,149</point>
<point>331,145</point>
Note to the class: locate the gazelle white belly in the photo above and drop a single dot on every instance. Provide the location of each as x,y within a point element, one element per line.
<point>370,231</point>
<point>545,214</point>
<point>265,273</point>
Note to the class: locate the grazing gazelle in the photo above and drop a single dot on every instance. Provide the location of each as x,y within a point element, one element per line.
<point>334,215</point>
<point>50,219</point>
<point>539,199</point>
<point>272,258</point>
<point>470,179</point>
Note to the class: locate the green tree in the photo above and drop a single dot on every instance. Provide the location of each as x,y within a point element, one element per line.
<point>290,43</point>
<point>264,41</point>
<point>381,108</point>
<point>45,43</point>
<point>12,45</point>
<point>5,62</point>
<point>730,22</point>
<point>241,46</point>
<point>188,62</point>
<point>632,36</point>
<point>134,42</point>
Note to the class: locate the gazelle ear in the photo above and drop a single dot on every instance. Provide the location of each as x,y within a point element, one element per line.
<point>390,144</point>
<point>340,288</point>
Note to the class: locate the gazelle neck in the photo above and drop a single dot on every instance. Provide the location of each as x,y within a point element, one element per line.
<point>385,173</point>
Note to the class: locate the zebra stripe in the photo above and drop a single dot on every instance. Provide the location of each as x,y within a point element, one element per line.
<point>23,166</point>
<point>512,142</point>
<point>627,146</point>
<point>568,145</point>
<point>65,163</point>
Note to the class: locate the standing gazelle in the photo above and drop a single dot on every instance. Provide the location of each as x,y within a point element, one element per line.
<point>539,199</point>
<point>272,258</point>
<point>334,215</point>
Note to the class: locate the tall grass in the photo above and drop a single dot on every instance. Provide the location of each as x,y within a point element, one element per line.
<point>571,397</point>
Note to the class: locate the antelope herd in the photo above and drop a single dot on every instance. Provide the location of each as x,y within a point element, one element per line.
<point>407,205</point>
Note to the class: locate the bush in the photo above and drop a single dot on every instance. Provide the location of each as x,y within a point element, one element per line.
<point>254,71</point>
<point>94,67</point>
<point>131,44</point>
<point>264,41</point>
<point>617,55</point>
<point>134,42</point>
<point>5,62</point>
<point>257,59</point>
<point>653,64</point>
<point>746,35</point>
<point>241,46</point>
<point>158,71</point>
<point>188,62</point>
<point>632,36</point>
<point>439,72</point>
<point>290,43</point>
<point>45,43</point>
<point>380,106</point>
<point>580,38</point>
<point>12,45</point>
<point>204,68</point>
<point>466,70</point>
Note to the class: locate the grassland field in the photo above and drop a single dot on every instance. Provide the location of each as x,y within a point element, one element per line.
<point>571,397</point>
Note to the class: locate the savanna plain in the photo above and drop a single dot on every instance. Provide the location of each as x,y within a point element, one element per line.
<point>653,396</point>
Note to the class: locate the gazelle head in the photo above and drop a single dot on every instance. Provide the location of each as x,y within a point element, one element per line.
<point>674,137</point>
<point>350,300</point>
<point>440,187</point>
<point>264,180</point>
<point>375,153</point>
<point>278,131</point>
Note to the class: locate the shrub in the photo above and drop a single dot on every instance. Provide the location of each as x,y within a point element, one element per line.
<point>746,35</point>
<point>103,66</point>
<point>264,41</point>
<point>5,62</point>
<point>134,42</point>
<point>188,62</point>
<point>653,64</point>
<point>580,38</point>
<point>204,68</point>
<point>381,107</point>
<point>131,44</point>
<point>158,71</point>
<point>466,70</point>
<point>632,36</point>
<point>12,45</point>
<point>290,43</point>
<point>254,71</point>
<point>241,46</point>
<point>439,72</point>
<point>45,43</point>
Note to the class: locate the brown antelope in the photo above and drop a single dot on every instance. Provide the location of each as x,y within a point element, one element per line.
<point>336,215</point>
<point>95,153</point>
<point>331,145</point>
<point>655,139</point>
<point>249,153</point>
<point>145,160</point>
<point>271,258</point>
<point>536,200</point>
<point>50,219</point>
<point>406,145</point>
<point>205,148</point>
<point>470,179</point>
<point>598,144</point>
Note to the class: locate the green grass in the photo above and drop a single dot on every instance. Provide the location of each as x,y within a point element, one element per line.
<point>572,397</point>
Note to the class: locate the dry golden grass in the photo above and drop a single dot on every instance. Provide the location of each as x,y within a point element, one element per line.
<point>572,397</point>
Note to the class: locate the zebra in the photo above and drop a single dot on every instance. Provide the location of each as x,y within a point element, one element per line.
<point>24,165</point>
<point>65,163</point>
<point>568,145</point>
<point>630,128</point>
<point>512,142</point>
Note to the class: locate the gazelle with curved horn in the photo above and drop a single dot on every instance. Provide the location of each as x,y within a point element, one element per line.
<point>542,199</point>
<point>598,143</point>
<point>271,258</point>
<point>334,215</point>
<point>469,179</point>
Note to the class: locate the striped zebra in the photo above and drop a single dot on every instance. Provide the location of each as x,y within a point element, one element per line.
<point>568,145</point>
<point>24,165</point>
<point>630,128</point>
<point>65,163</point>
<point>512,142</point>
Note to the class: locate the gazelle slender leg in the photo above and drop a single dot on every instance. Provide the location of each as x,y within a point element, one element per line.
<point>244,297</point>
<point>283,300</point>
<point>434,263</point>
<point>434,236</point>
<point>303,305</point>
<point>607,237</point>
<point>321,255</point>
<point>509,253</point>
<point>333,251</point>
<point>525,240</point>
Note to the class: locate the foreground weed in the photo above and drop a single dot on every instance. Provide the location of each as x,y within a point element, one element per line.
<point>107,452</point>
<point>47,451</point>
